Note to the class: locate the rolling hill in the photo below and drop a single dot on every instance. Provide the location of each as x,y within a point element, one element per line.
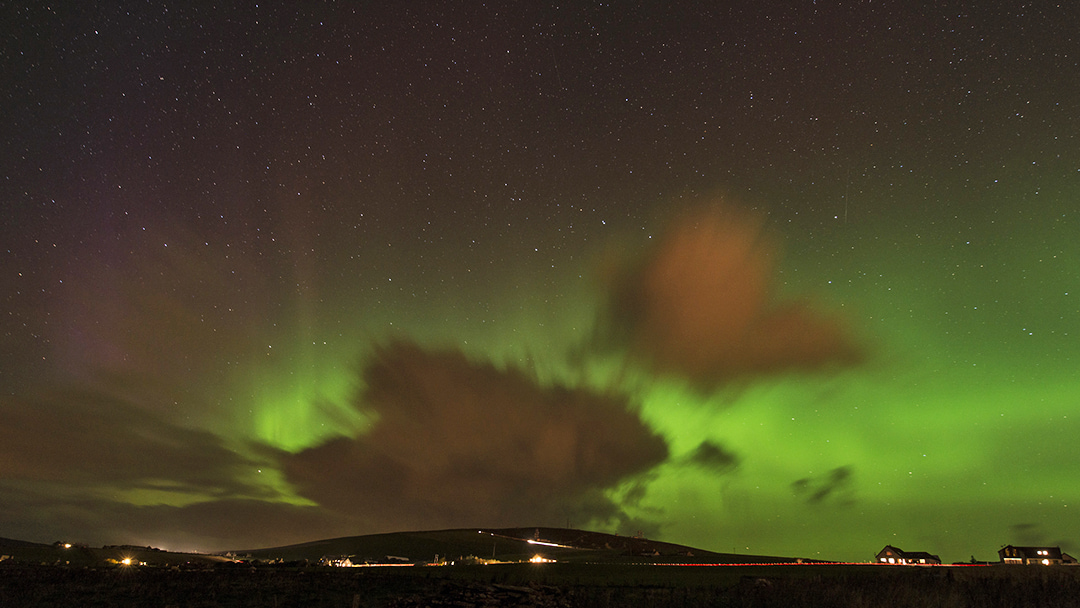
<point>503,544</point>
<point>416,547</point>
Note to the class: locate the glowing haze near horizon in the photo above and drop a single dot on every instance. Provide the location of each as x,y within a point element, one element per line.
<point>795,280</point>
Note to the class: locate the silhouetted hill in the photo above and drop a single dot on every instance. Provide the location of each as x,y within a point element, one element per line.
<point>505,544</point>
<point>11,543</point>
<point>25,552</point>
<point>499,544</point>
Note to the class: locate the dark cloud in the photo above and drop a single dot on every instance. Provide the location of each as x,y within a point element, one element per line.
<point>97,469</point>
<point>713,456</point>
<point>1033,535</point>
<point>88,439</point>
<point>835,486</point>
<point>458,442</point>
<point>701,304</point>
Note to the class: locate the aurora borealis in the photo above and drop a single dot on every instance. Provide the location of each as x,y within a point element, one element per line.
<point>795,279</point>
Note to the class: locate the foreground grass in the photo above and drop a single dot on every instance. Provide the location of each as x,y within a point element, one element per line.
<point>556,585</point>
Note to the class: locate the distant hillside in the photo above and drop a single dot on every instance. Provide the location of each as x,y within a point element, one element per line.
<point>11,543</point>
<point>21,551</point>
<point>508,544</point>
<point>500,544</point>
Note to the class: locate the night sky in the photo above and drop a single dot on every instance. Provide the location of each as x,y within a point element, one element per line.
<point>786,278</point>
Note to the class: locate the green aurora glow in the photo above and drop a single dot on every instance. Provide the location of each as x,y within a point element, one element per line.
<point>234,234</point>
<point>964,403</point>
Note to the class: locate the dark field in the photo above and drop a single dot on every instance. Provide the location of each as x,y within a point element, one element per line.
<point>585,585</point>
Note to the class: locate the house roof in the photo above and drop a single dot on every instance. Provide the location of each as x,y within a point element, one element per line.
<point>908,555</point>
<point>1030,552</point>
<point>920,555</point>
